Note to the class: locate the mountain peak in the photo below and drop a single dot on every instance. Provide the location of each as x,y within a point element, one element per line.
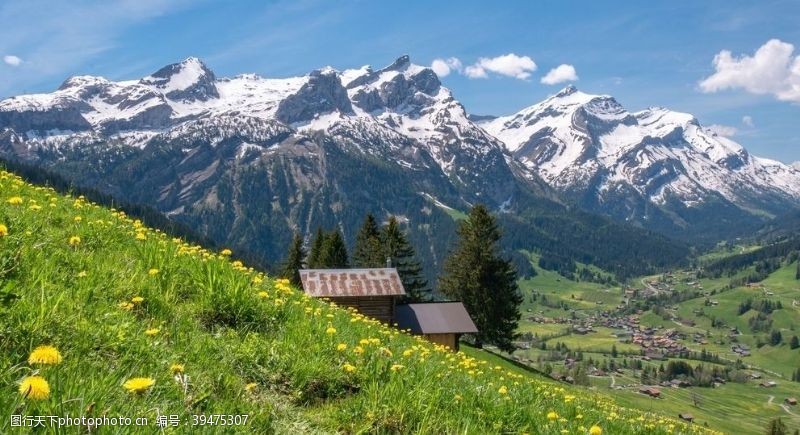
<point>189,79</point>
<point>569,90</point>
<point>400,63</point>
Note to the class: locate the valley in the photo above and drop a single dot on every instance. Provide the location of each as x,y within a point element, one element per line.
<point>619,338</point>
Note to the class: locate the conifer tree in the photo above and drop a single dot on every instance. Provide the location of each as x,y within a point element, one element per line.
<point>368,251</point>
<point>333,254</point>
<point>401,256</point>
<point>316,249</point>
<point>476,274</point>
<point>295,260</point>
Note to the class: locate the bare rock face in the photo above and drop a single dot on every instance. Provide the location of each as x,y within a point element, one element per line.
<point>322,93</point>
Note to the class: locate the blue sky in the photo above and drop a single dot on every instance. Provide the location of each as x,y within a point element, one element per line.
<point>644,53</point>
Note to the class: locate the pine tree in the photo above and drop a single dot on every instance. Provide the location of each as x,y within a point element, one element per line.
<point>316,249</point>
<point>402,257</point>
<point>486,283</point>
<point>333,254</point>
<point>368,251</point>
<point>295,260</point>
<point>776,427</point>
<point>794,343</point>
<point>797,274</point>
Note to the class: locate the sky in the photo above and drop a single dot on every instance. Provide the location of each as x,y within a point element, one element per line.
<point>734,65</point>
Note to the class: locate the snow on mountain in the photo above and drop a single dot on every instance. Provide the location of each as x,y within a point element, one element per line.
<point>579,142</point>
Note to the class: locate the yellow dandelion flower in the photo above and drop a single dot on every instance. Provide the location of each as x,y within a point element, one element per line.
<point>77,219</point>
<point>363,342</point>
<point>3,230</point>
<point>176,368</point>
<point>595,430</point>
<point>331,330</point>
<point>74,241</point>
<point>263,294</point>
<point>552,416</point>
<point>34,387</point>
<point>457,397</point>
<point>46,355</point>
<point>138,385</point>
<point>396,367</point>
<point>237,264</point>
<point>82,274</point>
<point>151,332</point>
<point>250,387</point>
<point>137,299</point>
<point>141,236</point>
<point>358,350</point>
<point>341,347</point>
<point>125,306</point>
<point>408,352</point>
<point>153,272</point>
<point>14,200</point>
<point>349,368</point>
<point>503,390</point>
<point>226,253</point>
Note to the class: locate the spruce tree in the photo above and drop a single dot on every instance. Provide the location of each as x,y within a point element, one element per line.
<point>402,257</point>
<point>333,254</point>
<point>476,274</point>
<point>797,274</point>
<point>368,251</point>
<point>295,260</point>
<point>776,427</point>
<point>794,343</point>
<point>316,249</point>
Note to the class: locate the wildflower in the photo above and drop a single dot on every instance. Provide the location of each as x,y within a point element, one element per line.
<point>408,352</point>
<point>46,355</point>
<point>226,252</point>
<point>74,241</point>
<point>458,398</point>
<point>153,272</point>
<point>15,200</point>
<point>137,299</point>
<point>82,274</point>
<point>396,367</point>
<point>263,294</point>
<point>176,368</point>
<point>250,387</point>
<point>34,387</point>
<point>125,306</point>
<point>138,385</point>
<point>141,236</point>
<point>77,219</point>
<point>595,430</point>
<point>151,332</point>
<point>237,264</point>
<point>3,230</point>
<point>349,368</point>
<point>331,330</point>
<point>341,347</point>
<point>552,416</point>
<point>503,390</point>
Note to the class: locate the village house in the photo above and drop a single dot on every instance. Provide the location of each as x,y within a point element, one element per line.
<point>790,401</point>
<point>651,391</point>
<point>686,416</point>
<point>439,322</point>
<point>372,292</point>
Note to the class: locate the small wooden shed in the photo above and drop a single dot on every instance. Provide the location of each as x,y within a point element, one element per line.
<point>370,291</point>
<point>439,322</point>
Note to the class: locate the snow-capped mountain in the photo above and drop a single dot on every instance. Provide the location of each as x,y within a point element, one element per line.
<point>656,167</point>
<point>248,160</point>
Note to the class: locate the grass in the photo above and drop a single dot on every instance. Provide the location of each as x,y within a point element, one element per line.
<point>121,301</point>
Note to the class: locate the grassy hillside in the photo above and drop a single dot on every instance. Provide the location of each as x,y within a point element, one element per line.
<point>207,336</point>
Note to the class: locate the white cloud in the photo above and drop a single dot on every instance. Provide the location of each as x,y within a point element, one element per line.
<point>443,67</point>
<point>510,65</point>
<point>747,121</point>
<point>723,130</point>
<point>560,74</point>
<point>773,69</point>
<point>12,60</point>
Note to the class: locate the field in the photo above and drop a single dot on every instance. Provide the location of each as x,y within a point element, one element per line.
<point>143,325</point>
<point>752,405</point>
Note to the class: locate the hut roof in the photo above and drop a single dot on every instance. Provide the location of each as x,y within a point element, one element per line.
<point>435,318</point>
<point>351,282</point>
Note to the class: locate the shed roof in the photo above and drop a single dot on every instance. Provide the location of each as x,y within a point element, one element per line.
<point>351,282</point>
<point>435,318</point>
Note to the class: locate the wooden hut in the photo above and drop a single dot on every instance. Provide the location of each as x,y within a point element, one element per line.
<point>370,291</point>
<point>439,322</point>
